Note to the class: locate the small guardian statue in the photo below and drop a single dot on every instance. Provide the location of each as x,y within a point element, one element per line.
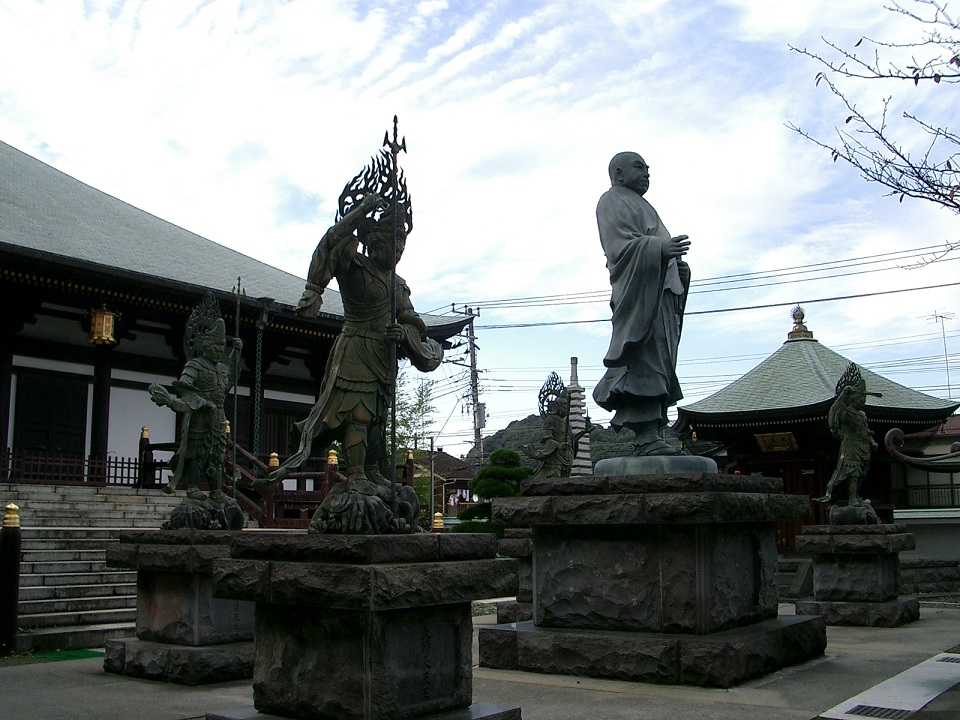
<point>848,423</point>
<point>199,396</point>
<point>559,444</point>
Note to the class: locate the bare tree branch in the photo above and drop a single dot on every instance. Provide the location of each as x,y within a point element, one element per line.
<point>931,172</point>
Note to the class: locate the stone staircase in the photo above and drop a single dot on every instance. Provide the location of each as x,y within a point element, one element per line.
<point>69,598</point>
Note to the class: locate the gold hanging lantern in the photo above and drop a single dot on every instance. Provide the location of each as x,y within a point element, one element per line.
<point>102,326</point>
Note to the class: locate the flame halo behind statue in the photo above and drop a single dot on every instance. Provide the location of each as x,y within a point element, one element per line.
<point>377,178</point>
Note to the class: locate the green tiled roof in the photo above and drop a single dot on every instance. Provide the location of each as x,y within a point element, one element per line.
<point>803,373</point>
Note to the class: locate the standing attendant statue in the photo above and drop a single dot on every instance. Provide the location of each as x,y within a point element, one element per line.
<point>358,387</point>
<point>198,396</point>
<point>848,422</point>
<point>650,282</point>
<point>559,444</point>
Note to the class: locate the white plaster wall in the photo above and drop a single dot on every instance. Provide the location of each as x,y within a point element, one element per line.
<point>936,531</point>
<point>130,410</point>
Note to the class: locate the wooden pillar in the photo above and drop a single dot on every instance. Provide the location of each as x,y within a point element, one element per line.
<point>100,422</point>
<point>6,381</point>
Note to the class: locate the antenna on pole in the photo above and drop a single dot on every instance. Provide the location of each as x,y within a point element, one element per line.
<point>942,317</point>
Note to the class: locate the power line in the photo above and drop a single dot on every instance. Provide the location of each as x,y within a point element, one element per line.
<point>604,294</point>
<point>724,310</point>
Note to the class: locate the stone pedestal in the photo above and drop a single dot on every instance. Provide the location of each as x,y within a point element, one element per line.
<point>518,543</point>
<point>659,578</point>
<point>856,574</point>
<point>364,627</point>
<point>184,634</point>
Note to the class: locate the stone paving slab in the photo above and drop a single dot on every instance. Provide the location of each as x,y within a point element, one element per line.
<point>856,660</point>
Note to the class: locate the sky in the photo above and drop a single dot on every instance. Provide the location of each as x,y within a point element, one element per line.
<point>242,121</point>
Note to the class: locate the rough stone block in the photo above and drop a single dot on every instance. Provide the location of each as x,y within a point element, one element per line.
<point>927,576</point>
<point>180,664</point>
<point>615,656</point>
<point>802,636</point>
<point>177,537</point>
<point>884,529</point>
<point>510,611</point>
<point>377,665</point>
<point>671,578</point>
<point>863,578</point>
<point>467,546</point>
<point>611,582</point>
<point>364,549</point>
<point>477,711</point>
<point>893,613</point>
<point>516,547</point>
<point>655,483</point>
<point>498,647</point>
<point>649,509</point>
<point>371,587</point>
<point>180,608</point>
<point>722,659</point>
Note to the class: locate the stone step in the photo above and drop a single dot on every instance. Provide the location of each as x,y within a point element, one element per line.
<point>49,508</point>
<point>54,533</point>
<point>50,555</point>
<point>67,606</point>
<point>51,592</point>
<point>47,491</point>
<point>79,578</point>
<point>81,617</point>
<point>67,567</point>
<point>78,544</point>
<point>74,638</point>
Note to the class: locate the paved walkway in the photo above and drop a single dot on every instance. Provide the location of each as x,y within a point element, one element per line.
<point>862,667</point>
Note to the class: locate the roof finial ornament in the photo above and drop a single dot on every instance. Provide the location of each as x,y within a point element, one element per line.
<point>799,329</point>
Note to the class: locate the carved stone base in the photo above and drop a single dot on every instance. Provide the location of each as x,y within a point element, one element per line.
<point>893,613</point>
<point>368,627</point>
<point>477,711</point>
<point>180,664</point>
<point>185,635</point>
<point>722,659</point>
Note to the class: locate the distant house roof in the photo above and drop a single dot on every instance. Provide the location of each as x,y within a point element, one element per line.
<point>800,378</point>
<point>50,214</point>
<point>452,467</point>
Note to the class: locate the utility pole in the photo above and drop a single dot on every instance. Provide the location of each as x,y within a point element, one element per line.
<point>941,317</point>
<point>479,408</point>
<point>479,411</point>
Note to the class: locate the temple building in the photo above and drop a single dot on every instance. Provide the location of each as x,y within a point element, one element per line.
<point>96,294</point>
<point>773,421</point>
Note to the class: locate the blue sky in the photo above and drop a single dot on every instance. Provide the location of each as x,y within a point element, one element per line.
<point>243,121</point>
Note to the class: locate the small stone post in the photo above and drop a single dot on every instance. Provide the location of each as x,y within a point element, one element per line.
<point>9,579</point>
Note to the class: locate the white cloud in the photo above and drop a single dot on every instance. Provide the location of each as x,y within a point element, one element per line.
<point>243,122</point>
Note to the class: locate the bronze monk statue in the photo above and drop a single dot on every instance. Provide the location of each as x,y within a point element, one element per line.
<point>650,282</point>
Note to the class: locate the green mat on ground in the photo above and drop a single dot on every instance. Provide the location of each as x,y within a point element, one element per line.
<point>68,655</point>
<point>55,656</point>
